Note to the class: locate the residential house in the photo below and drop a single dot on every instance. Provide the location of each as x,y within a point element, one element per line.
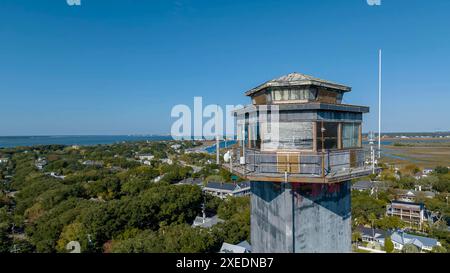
<point>157,179</point>
<point>55,175</point>
<point>363,186</point>
<point>40,163</point>
<point>167,161</point>
<point>191,181</point>
<point>400,239</point>
<point>412,195</point>
<point>412,213</point>
<point>223,190</point>
<point>146,162</point>
<point>146,157</point>
<point>176,146</point>
<point>4,160</point>
<point>206,222</point>
<point>93,163</point>
<point>242,247</point>
<point>195,151</point>
<point>373,235</point>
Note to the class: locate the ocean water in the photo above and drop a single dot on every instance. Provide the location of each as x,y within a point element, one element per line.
<point>222,145</point>
<point>14,141</point>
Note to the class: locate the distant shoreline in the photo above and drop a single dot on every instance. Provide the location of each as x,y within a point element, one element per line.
<point>81,140</point>
<point>92,140</point>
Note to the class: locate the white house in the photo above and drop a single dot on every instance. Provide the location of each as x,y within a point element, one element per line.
<point>4,160</point>
<point>54,175</point>
<point>373,235</point>
<point>93,163</point>
<point>176,146</point>
<point>40,163</point>
<point>206,222</point>
<point>147,157</point>
<point>146,162</point>
<point>157,179</point>
<point>223,190</point>
<point>400,239</point>
<point>242,247</point>
<point>167,161</point>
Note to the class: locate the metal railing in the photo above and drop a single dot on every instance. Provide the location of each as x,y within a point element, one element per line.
<point>330,163</point>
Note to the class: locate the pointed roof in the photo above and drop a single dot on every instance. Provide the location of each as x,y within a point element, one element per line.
<point>298,79</point>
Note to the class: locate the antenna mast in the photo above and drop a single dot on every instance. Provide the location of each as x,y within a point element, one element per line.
<point>217,137</point>
<point>379,101</point>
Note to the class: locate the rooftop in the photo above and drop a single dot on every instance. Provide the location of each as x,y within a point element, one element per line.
<point>242,247</point>
<point>207,222</point>
<point>227,186</point>
<point>191,181</point>
<point>406,203</point>
<point>363,185</point>
<point>221,186</point>
<point>419,241</point>
<point>298,79</point>
<point>309,106</point>
<point>379,233</point>
<point>414,193</point>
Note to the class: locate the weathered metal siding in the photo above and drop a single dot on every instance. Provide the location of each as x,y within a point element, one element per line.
<point>337,161</point>
<point>307,164</point>
<point>311,165</point>
<point>319,215</point>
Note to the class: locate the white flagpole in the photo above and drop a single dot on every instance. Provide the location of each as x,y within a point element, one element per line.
<point>379,101</point>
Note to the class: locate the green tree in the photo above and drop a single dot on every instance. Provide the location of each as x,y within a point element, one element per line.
<point>389,223</point>
<point>169,239</point>
<point>5,241</point>
<point>364,205</point>
<point>356,236</point>
<point>441,170</point>
<point>388,245</point>
<point>73,232</point>
<point>438,249</point>
<point>233,206</point>
<point>410,248</point>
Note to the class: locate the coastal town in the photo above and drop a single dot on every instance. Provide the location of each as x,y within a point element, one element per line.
<point>224,136</point>
<point>51,195</point>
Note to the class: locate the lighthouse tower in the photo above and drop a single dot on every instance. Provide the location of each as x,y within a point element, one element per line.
<point>300,147</point>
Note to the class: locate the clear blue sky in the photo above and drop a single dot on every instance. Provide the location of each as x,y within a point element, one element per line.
<point>118,66</point>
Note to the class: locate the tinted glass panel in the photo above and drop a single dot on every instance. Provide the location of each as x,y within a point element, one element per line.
<point>329,134</point>
<point>350,135</point>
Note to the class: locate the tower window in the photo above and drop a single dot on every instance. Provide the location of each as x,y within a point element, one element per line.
<point>294,94</point>
<point>327,135</point>
<point>350,135</point>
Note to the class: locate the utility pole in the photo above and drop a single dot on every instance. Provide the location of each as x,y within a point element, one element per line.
<point>217,150</point>
<point>231,161</point>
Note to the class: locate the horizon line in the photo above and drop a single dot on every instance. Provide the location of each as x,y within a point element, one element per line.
<point>168,134</point>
